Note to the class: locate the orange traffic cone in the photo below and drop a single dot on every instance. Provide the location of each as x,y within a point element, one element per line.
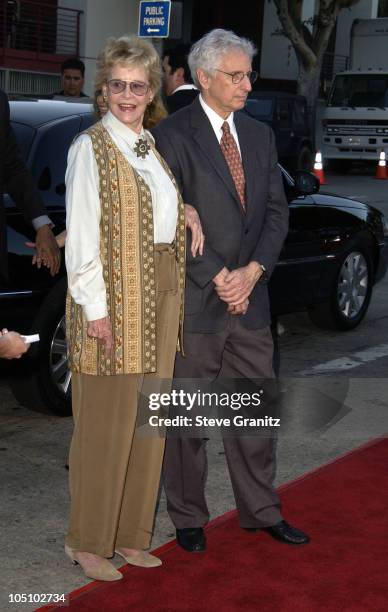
<point>318,168</point>
<point>381,170</point>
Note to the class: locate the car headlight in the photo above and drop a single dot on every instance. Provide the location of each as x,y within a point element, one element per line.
<point>385,225</point>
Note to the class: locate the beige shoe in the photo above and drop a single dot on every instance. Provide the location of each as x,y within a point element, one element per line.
<point>104,571</point>
<point>140,558</point>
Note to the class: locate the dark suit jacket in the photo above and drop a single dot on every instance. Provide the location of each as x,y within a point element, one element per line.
<point>187,141</point>
<point>180,98</point>
<point>15,179</point>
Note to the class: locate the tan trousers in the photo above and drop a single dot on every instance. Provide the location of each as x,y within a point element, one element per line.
<point>114,471</point>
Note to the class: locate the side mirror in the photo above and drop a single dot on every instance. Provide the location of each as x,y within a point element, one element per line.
<point>306,183</point>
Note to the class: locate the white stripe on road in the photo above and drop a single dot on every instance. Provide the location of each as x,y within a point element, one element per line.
<point>353,361</point>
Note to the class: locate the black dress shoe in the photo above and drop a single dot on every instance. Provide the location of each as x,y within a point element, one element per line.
<point>284,532</point>
<point>191,539</point>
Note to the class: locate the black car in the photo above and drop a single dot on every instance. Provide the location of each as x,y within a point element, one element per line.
<point>288,116</point>
<point>335,252</point>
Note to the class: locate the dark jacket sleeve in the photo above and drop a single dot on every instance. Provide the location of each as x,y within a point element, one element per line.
<point>17,180</point>
<point>202,268</point>
<point>275,227</point>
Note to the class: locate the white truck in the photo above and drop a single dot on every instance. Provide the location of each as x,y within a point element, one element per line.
<point>355,119</point>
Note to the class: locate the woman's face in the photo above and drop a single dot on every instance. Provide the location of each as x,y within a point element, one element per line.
<point>126,106</point>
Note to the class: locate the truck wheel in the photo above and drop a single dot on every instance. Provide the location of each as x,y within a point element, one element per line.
<point>45,385</point>
<point>351,293</point>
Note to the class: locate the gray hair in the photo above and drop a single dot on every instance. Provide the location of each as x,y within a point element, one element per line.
<point>207,52</point>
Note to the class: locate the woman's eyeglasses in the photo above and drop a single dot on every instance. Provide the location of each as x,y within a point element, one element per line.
<point>138,88</point>
<point>237,77</point>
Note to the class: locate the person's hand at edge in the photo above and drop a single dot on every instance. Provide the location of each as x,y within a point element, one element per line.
<point>219,279</point>
<point>238,284</point>
<point>12,345</point>
<point>239,309</point>
<point>193,223</point>
<point>47,251</point>
<point>101,329</point>
<point>60,240</point>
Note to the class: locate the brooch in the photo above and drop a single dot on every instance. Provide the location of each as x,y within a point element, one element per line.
<point>142,148</point>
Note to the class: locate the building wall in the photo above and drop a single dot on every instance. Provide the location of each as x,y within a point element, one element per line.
<point>278,59</point>
<point>100,20</point>
<point>365,9</point>
<point>105,19</point>
<point>63,21</point>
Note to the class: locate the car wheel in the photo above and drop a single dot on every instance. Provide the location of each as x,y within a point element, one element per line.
<point>46,384</point>
<point>351,293</point>
<point>305,159</point>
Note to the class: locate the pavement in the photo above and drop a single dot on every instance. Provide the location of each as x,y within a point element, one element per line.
<point>33,446</point>
<point>35,496</point>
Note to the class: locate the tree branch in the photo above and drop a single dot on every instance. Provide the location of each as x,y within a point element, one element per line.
<point>306,54</point>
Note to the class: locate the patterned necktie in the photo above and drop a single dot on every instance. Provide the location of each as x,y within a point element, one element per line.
<point>233,159</point>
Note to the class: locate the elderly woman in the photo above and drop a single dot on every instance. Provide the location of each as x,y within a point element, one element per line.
<point>125,251</point>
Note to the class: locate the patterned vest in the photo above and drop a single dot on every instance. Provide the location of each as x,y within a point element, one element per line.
<point>127,257</point>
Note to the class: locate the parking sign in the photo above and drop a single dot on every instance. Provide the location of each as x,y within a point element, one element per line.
<point>154,18</point>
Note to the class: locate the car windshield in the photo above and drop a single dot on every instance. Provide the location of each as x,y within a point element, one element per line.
<point>359,90</point>
<point>261,109</point>
<point>24,136</point>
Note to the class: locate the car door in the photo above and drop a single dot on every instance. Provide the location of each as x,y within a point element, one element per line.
<point>302,260</point>
<point>46,159</point>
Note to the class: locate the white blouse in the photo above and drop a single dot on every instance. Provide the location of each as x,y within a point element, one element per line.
<point>83,212</point>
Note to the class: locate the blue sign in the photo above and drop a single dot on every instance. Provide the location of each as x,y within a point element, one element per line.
<point>154,18</point>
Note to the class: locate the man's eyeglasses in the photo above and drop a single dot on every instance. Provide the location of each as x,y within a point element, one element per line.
<point>237,77</point>
<point>138,88</point>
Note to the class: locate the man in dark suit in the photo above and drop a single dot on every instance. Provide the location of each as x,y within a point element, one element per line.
<point>226,166</point>
<point>16,180</point>
<point>178,85</point>
<point>72,78</point>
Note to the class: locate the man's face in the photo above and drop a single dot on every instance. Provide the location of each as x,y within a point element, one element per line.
<point>72,82</point>
<point>219,91</point>
<point>172,80</point>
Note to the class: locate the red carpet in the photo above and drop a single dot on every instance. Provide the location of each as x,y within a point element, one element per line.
<point>342,505</point>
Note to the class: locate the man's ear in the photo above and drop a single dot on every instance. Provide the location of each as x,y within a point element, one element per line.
<point>203,78</point>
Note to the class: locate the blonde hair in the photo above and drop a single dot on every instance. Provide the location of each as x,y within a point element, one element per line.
<point>155,112</point>
<point>129,51</point>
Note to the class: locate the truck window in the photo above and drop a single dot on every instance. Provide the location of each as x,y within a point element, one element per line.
<point>359,90</point>
<point>260,109</point>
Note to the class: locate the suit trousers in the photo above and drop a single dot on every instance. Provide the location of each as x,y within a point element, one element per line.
<point>233,353</point>
<point>114,469</point>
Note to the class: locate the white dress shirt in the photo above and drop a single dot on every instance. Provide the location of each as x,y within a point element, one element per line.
<point>185,87</point>
<point>83,212</point>
<point>217,122</point>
